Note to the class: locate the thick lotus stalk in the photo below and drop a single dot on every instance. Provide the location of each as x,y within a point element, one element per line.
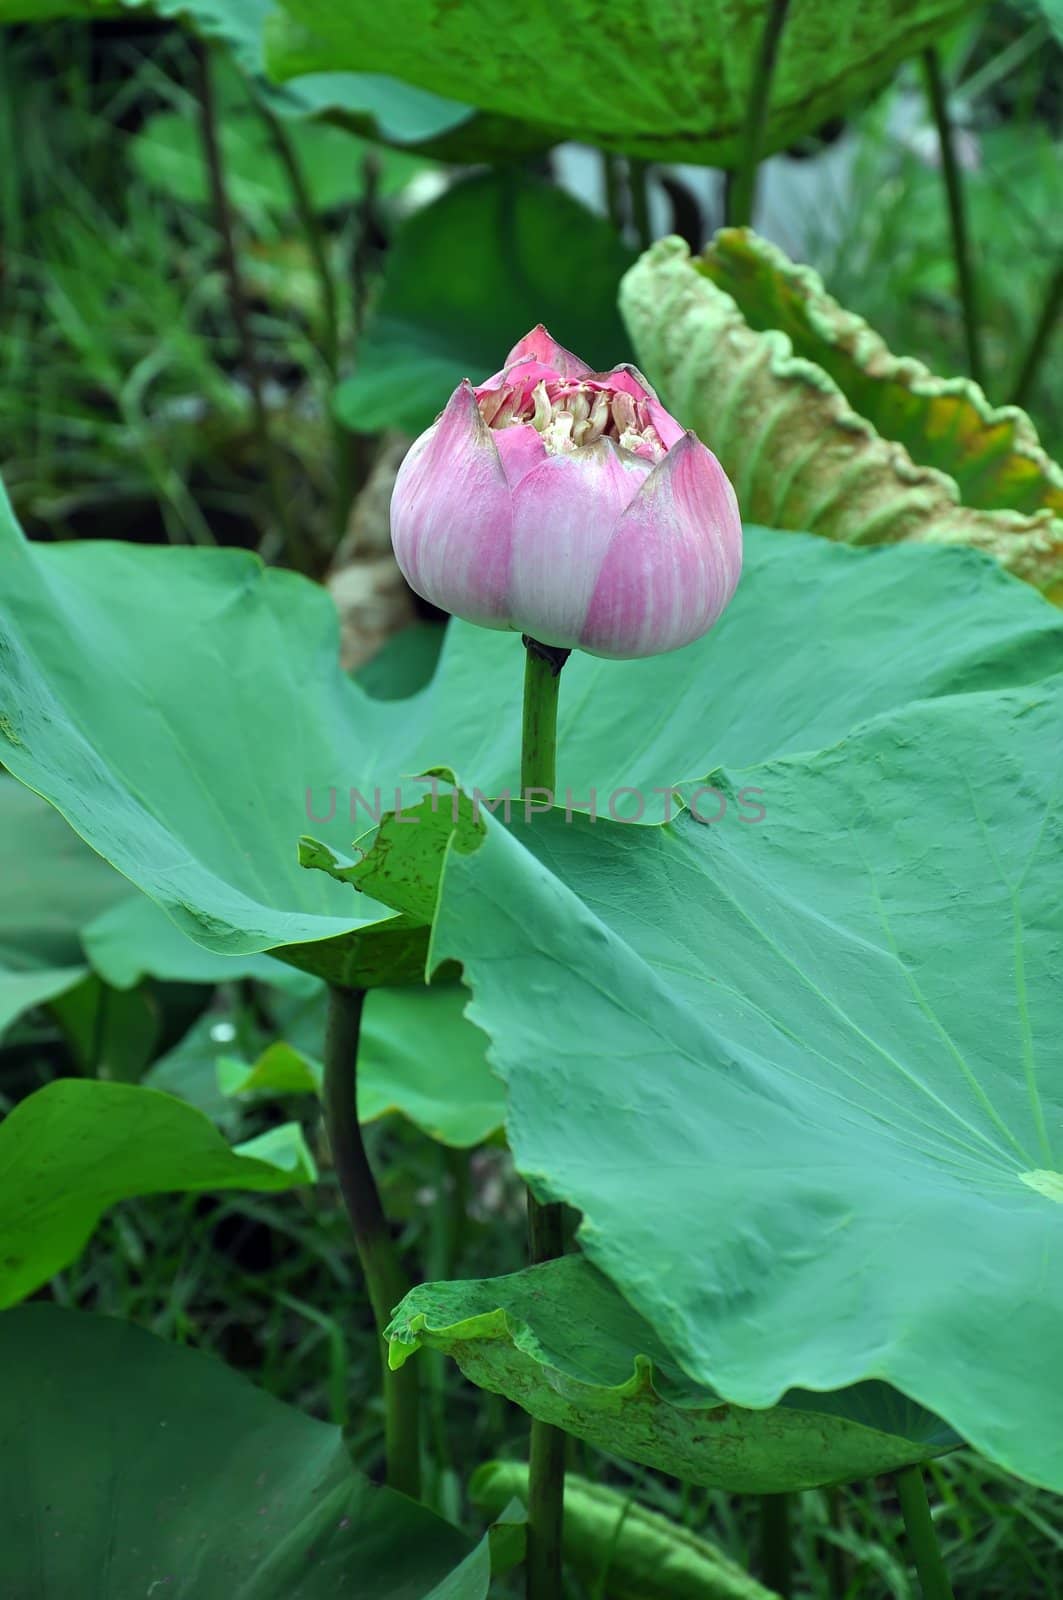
<point>569,506</point>
<point>822,428</point>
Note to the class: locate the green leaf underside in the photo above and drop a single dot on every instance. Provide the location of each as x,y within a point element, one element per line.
<point>74,1148</point>
<point>560,1341</point>
<point>453,301</point>
<point>836,1034</point>
<point>136,939</point>
<point>195,784</point>
<point>821,428</point>
<point>194,1483</point>
<point>993,455</point>
<point>611,76</point>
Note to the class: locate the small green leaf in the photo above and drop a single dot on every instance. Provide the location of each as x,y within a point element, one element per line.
<point>169,154</point>
<point>135,939</point>
<point>73,1149</point>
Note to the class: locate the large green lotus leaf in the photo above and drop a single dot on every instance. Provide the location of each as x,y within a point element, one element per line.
<point>803,1078</point>
<point>186,711</point>
<point>76,1147</point>
<point>821,427</point>
<point>157,1470</point>
<point>64,909</point>
<point>452,303</point>
<point>647,1556</point>
<point>418,1056</point>
<point>51,885</point>
<point>673,84</point>
<point>560,1341</point>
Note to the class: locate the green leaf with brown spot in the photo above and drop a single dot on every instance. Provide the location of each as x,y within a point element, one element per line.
<point>562,1342</point>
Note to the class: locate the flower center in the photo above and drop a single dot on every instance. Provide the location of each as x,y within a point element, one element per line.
<point>571,414</point>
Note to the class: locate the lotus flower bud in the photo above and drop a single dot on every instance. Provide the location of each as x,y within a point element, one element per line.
<point>568,505</point>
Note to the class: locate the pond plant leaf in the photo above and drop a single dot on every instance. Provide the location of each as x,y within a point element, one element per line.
<point>821,428</point>
<point>418,1057</point>
<point>835,1031</point>
<point>671,86</point>
<point>73,1149</point>
<point>562,1342</point>
<point>158,1470</point>
<point>198,784</point>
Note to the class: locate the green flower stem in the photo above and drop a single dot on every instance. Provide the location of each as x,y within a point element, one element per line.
<point>384,1276</point>
<point>961,243</point>
<point>915,1509</point>
<point>542,681</point>
<point>741,188</point>
<point>546,1461</point>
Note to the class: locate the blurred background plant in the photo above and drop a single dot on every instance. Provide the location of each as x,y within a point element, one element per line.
<point>141,377</point>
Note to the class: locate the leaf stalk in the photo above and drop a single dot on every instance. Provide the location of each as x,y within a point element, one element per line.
<point>385,1279</point>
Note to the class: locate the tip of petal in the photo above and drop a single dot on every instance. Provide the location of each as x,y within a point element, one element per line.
<point>628,378</point>
<point>461,417</point>
<point>540,345</point>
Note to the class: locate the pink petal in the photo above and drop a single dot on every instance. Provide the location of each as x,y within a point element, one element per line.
<point>673,562</point>
<point>521,448</point>
<point>539,345</point>
<point>451,517</point>
<point>631,381</point>
<point>526,373</point>
<point>564,513</point>
<point>668,430</point>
